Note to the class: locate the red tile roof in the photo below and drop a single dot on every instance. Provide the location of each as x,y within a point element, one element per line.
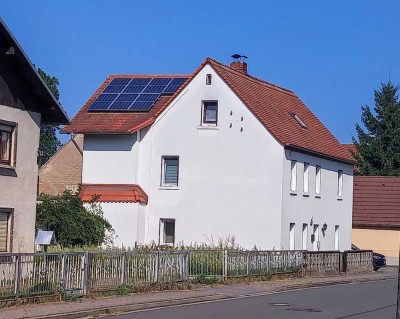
<point>271,104</point>
<point>123,193</point>
<point>115,122</point>
<point>376,202</point>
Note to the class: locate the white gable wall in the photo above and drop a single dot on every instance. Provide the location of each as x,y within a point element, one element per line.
<point>300,208</point>
<point>110,159</point>
<point>230,178</point>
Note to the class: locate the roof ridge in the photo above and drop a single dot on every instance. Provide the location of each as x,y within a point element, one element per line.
<point>254,78</point>
<point>148,75</point>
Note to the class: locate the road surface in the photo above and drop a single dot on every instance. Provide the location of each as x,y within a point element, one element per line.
<point>347,301</point>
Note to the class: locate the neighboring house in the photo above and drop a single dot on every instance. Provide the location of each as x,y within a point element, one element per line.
<point>63,171</point>
<point>220,153</point>
<point>376,215</point>
<point>25,103</point>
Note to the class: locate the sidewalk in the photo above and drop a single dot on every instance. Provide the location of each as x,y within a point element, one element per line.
<point>118,304</point>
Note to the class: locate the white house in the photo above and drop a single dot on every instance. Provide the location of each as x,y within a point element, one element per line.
<point>219,153</point>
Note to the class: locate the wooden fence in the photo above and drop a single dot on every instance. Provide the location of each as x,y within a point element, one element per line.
<point>79,273</point>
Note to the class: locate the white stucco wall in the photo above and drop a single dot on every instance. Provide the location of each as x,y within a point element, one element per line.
<point>127,220</point>
<point>110,159</point>
<point>19,184</point>
<point>301,208</point>
<point>229,177</point>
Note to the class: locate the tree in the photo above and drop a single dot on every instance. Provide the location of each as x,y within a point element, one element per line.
<point>72,223</point>
<point>48,133</point>
<point>378,146</point>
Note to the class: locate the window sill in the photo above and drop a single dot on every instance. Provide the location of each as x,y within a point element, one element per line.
<point>293,193</point>
<point>317,196</point>
<point>208,127</point>
<point>5,166</point>
<point>169,188</point>
<point>306,195</point>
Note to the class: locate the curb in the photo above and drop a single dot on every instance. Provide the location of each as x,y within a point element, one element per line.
<point>187,301</point>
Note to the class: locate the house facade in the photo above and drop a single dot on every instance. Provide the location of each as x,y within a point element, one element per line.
<point>25,103</point>
<point>225,155</point>
<point>376,215</point>
<point>63,171</point>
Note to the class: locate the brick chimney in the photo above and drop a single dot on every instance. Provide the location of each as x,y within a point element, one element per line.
<point>239,66</point>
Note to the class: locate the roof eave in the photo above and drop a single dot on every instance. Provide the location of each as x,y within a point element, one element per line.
<point>300,149</point>
<point>53,110</point>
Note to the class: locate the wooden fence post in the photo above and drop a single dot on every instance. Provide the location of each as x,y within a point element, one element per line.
<point>17,275</point>
<point>85,281</point>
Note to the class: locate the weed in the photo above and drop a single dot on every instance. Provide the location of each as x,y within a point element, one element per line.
<point>123,290</point>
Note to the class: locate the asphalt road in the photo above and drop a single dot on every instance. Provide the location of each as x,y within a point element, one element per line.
<point>353,301</point>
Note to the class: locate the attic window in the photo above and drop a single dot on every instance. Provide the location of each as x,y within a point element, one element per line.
<point>294,115</point>
<point>208,79</point>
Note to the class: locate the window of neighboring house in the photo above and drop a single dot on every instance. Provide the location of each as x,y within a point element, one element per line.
<point>5,229</point>
<point>6,136</point>
<point>305,178</point>
<point>210,112</point>
<point>167,231</point>
<point>293,179</point>
<point>317,180</point>
<point>340,184</point>
<point>170,171</point>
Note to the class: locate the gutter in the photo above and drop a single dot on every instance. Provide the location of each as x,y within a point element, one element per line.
<point>289,146</point>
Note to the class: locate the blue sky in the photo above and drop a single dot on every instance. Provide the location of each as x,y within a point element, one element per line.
<point>331,53</point>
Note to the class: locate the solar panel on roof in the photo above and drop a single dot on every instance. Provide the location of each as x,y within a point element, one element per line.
<point>120,81</point>
<point>147,97</point>
<point>131,95</point>
<point>99,105</point>
<point>160,81</point>
<point>134,89</point>
<point>114,89</point>
<point>141,106</point>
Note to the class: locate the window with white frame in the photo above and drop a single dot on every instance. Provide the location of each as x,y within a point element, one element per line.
<point>304,240</point>
<point>210,113</point>
<point>208,79</point>
<point>340,183</point>
<point>306,178</point>
<point>317,180</point>
<point>336,237</point>
<point>293,178</point>
<point>292,236</point>
<point>170,171</point>
<point>6,144</point>
<point>167,231</point>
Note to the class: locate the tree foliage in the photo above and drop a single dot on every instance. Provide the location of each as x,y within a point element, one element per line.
<point>378,146</point>
<point>48,133</point>
<point>72,223</point>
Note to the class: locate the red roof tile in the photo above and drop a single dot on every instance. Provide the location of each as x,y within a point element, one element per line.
<point>123,193</point>
<point>376,202</point>
<point>115,122</point>
<point>271,104</point>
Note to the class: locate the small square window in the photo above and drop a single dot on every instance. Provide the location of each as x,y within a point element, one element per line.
<point>170,171</point>
<point>167,231</point>
<point>210,112</point>
<point>6,142</point>
<point>208,79</point>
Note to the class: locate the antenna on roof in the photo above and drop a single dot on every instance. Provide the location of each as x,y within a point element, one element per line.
<point>239,57</point>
